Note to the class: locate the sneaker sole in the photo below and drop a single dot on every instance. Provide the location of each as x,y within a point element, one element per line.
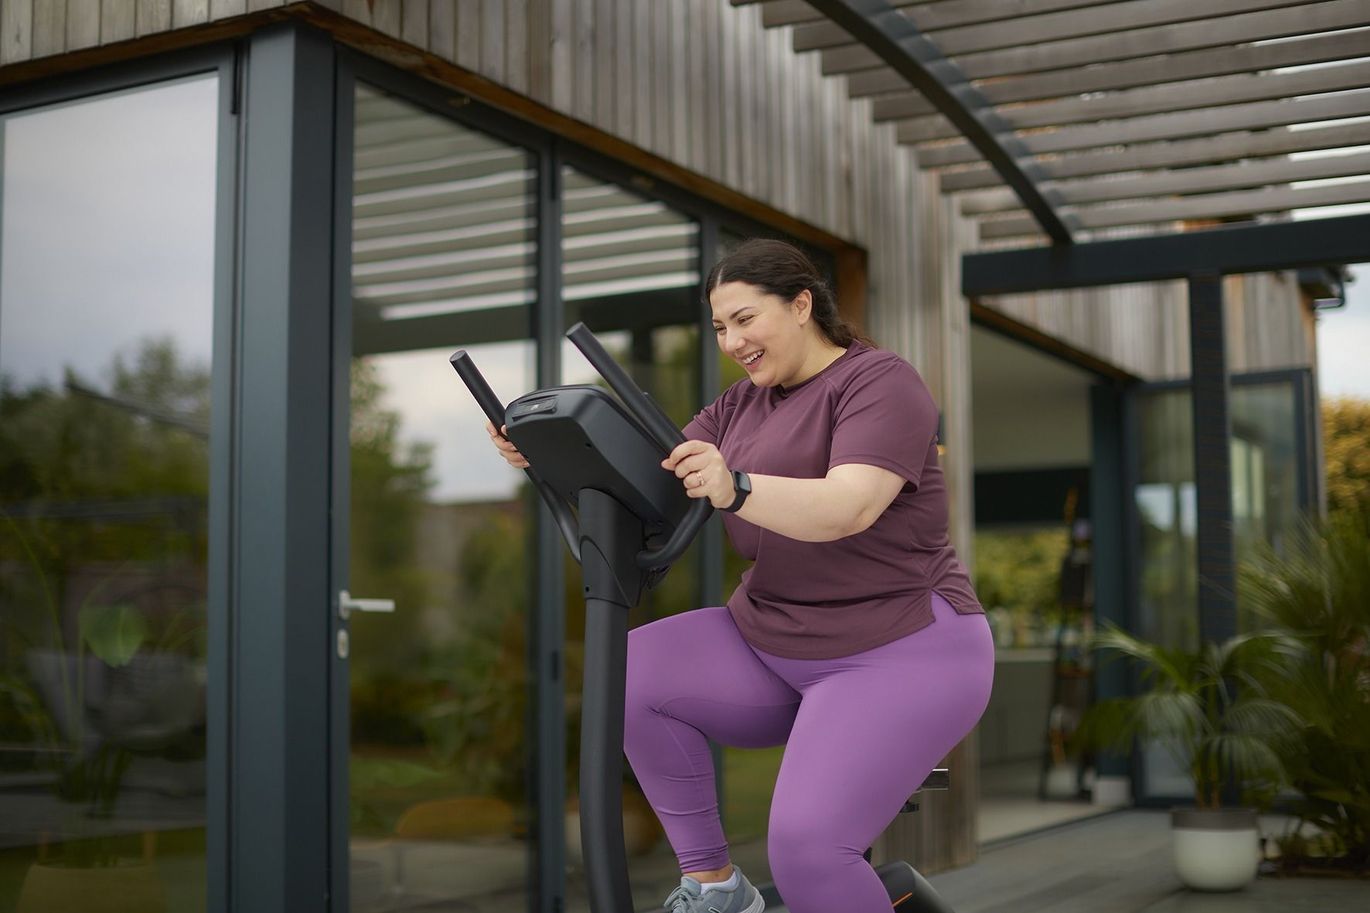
<point>758,905</point>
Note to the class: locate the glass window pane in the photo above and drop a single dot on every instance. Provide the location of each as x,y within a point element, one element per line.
<point>1265,473</point>
<point>1166,509</point>
<point>630,270</point>
<point>106,317</point>
<point>443,258</point>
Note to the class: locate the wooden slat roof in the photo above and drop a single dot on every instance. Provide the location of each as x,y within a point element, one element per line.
<point>1072,118</point>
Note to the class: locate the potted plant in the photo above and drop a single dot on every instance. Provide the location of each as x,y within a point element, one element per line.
<point>1210,709</point>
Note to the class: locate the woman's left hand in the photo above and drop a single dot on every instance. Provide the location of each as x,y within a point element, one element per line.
<point>700,467</point>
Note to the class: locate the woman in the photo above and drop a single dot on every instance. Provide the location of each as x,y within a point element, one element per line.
<point>855,638</point>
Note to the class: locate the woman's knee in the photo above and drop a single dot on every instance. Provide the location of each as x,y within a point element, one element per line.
<point>798,843</point>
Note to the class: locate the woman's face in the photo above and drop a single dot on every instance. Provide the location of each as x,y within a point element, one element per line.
<point>763,333</point>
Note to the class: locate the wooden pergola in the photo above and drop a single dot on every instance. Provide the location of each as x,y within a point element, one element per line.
<point>1065,118</point>
<point>1142,140</point>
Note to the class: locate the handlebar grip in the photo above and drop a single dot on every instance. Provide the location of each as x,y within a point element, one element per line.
<point>643,408</point>
<point>475,382</point>
<point>494,410</point>
<point>694,520</point>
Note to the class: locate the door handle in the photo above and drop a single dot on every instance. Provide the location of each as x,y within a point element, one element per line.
<point>347,605</point>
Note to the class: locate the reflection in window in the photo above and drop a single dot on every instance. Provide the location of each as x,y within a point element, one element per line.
<point>1166,511</point>
<point>443,258</point>
<point>1265,474</point>
<point>106,301</point>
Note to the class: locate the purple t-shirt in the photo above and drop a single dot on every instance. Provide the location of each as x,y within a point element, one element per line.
<point>820,600</point>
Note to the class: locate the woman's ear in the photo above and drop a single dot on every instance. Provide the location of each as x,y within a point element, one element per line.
<point>803,306</point>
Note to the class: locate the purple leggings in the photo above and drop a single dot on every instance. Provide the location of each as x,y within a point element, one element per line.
<point>861,733</point>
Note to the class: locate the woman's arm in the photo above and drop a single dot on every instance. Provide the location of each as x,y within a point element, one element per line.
<point>845,502</point>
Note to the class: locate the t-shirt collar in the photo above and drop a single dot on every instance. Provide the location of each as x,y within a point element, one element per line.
<point>783,392</point>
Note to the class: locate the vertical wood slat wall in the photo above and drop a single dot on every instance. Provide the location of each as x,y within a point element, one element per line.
<point>703,84</point>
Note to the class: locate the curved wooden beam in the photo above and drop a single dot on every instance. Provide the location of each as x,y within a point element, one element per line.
<point>896,40</point>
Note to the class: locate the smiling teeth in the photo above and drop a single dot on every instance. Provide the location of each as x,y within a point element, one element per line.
<point>753,357</point>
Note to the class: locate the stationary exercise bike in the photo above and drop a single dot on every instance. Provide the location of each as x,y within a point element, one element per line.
<point>626,520</point>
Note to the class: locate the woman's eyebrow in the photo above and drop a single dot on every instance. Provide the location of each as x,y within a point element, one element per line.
<point>733,315</point>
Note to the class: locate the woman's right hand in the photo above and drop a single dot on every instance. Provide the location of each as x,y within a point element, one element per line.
<point>506,448</point>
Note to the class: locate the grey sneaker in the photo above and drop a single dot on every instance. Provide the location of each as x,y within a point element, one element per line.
<point>690,897</point>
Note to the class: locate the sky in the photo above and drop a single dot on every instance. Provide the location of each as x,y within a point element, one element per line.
<point>1344,341</point>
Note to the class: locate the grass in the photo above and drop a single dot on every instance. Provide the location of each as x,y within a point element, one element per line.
<point>748,781</point>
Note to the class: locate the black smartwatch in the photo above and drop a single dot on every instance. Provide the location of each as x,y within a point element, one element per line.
<point>742,484</point>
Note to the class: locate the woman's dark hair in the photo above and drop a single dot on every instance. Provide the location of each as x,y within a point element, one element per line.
<point>781,269</point>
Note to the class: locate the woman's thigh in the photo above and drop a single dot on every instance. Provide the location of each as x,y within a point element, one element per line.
<point>695,667</point>
<point>872,726</point>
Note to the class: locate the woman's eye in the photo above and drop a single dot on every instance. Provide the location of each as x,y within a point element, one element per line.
<point>744,320</point>
<point>718,329</point>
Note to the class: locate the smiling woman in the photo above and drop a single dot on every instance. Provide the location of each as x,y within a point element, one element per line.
<point>106,301</point>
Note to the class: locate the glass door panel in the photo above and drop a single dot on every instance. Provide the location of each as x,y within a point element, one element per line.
<point>443,258</point>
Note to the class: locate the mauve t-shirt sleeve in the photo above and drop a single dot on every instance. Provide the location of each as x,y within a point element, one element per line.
<point>704,426</point>
<point>885,417</point>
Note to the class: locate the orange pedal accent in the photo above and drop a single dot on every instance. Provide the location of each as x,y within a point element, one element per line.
<point>904,898</point>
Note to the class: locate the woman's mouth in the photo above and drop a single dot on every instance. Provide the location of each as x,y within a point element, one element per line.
<point>751,361</point>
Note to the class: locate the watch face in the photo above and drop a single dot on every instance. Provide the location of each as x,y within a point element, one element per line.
<point>742,485</point>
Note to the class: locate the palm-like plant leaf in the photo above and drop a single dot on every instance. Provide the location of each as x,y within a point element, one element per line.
<point>1207,707</point>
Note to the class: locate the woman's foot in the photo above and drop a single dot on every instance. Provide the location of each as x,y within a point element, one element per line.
<point>694,897</point>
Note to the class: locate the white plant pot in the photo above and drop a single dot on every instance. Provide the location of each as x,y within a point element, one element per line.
<point>1216,849</point>
<point>1112,790</point>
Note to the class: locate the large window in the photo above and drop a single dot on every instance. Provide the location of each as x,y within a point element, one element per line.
<point>1267,497</point>
<point>106,301</point>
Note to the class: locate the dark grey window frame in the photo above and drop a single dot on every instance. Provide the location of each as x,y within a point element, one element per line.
<point>222,60</point>
<point>278,858</point>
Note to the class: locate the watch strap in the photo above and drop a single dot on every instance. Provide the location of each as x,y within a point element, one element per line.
<point>742,485</point>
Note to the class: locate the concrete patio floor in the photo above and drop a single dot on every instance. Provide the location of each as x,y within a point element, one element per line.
<point>1121,863</point>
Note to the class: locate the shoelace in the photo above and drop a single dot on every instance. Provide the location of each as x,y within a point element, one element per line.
<point>679,902</point>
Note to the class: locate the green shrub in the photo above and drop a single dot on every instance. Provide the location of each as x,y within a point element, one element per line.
<point>1318,593</point>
